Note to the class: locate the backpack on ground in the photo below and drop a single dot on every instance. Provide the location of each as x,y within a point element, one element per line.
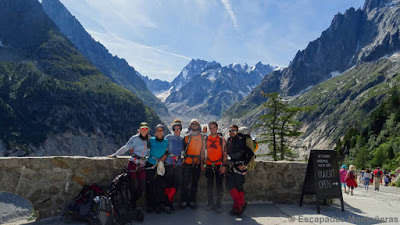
<point>121,197</point>
<point>102,212</point>
<point>244,132</point>
<point>82,205</point>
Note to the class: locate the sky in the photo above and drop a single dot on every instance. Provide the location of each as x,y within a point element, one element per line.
<point>159,37</point>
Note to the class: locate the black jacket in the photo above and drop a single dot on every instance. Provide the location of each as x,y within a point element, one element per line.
<point>238,150</point>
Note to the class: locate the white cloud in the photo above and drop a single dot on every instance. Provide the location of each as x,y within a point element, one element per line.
<point>228,8</point>
<point>147,60</point>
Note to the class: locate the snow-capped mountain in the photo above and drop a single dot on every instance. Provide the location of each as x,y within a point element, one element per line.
<point>207,88</point>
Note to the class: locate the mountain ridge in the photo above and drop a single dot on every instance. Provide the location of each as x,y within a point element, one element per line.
<point>353,37</point>
<point>117,69</point>
<point>53,101</point>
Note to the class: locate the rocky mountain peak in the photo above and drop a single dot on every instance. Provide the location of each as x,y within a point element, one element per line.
<point>369,5</point>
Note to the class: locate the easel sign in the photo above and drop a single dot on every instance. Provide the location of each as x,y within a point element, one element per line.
<point>322,177</point>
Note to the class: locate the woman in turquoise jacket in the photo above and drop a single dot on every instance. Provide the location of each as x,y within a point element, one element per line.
<point>154,182</point>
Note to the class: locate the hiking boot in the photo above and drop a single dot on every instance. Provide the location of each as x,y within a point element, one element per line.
<point>168,210</point>
<point>239,212</point>
<point>233,212</point>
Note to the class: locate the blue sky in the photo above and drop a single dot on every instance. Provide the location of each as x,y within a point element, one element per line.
<point>159,37</point>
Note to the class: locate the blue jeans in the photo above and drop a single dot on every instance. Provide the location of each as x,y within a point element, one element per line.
<point>366,182</point>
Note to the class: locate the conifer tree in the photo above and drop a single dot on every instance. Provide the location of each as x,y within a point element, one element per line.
<point>280,125</point>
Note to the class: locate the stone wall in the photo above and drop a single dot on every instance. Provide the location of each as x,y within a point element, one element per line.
<point>50,183</point>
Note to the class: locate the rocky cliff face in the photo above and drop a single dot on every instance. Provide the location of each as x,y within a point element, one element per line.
<point>53,101</point>
<point>357,36</point>
<point>207,88</point>
<point>118,70</point>
<point>346,73</point>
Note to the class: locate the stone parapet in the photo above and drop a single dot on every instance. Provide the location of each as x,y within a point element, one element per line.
<point>50,183</point>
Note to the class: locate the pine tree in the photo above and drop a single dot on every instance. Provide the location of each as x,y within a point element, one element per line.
<point>280,125</point>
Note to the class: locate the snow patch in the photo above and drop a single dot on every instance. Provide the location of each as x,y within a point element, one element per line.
<point>184,73</point>
<point>164,95</point>
<point>335,74</point>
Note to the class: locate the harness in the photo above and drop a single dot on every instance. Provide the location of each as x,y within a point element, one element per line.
<point>185,155</point>
<point>139,161</point>
<point>174,158</point>
<point>155,165</point>
<point>233,165</point>
<point>216,161</point>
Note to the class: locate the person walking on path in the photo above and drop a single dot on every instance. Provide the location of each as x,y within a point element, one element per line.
<point>193,146</point>
<point>138,146</point>
<point>343,173</point>
<point>239,156</point>
<point>173,166</point>
<point>154,181</point>
<point>367,178</point>
<point>215,162</point>
<point>377,178</point>
<point>350,179</point>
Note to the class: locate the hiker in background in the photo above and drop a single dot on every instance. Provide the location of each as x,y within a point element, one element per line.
<point>350,179</point>
<point>387,181</point>
<point>239,155</point>
<point>377,178</point>
<point>343,173</point>
<point>138,146</point>
<point>154,180</point>
<point>193,145</point>
<point>173,166</point>
<point>215,162</point>
<point>367,178</point>
<point>244,132</point>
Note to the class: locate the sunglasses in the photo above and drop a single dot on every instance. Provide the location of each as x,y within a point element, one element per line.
<point>194,124</point>
<point>176,129</point>
<point>145,129</point>
<point>233,131</point>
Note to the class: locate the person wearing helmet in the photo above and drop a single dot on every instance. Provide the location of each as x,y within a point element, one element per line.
<point>154,181</point>
<point>138,144</point>
<point>173,166</point>
<point>193,145</point>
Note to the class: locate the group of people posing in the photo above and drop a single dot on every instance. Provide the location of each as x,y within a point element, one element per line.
<point>160,166</point>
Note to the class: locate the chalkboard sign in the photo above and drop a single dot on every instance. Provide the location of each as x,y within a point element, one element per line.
<point>322,177</point>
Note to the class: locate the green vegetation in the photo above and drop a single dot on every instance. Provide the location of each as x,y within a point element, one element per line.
<point>280,124</point>
<point>375,141</point>
<point>48,88</point>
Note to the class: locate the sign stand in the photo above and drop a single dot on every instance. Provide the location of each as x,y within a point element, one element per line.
<point>322,177</point>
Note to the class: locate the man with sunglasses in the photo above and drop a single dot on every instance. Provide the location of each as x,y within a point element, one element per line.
<point>239,156</point>
<point>173,165</point>
<point>193,145</point>
<point>138,144</point>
